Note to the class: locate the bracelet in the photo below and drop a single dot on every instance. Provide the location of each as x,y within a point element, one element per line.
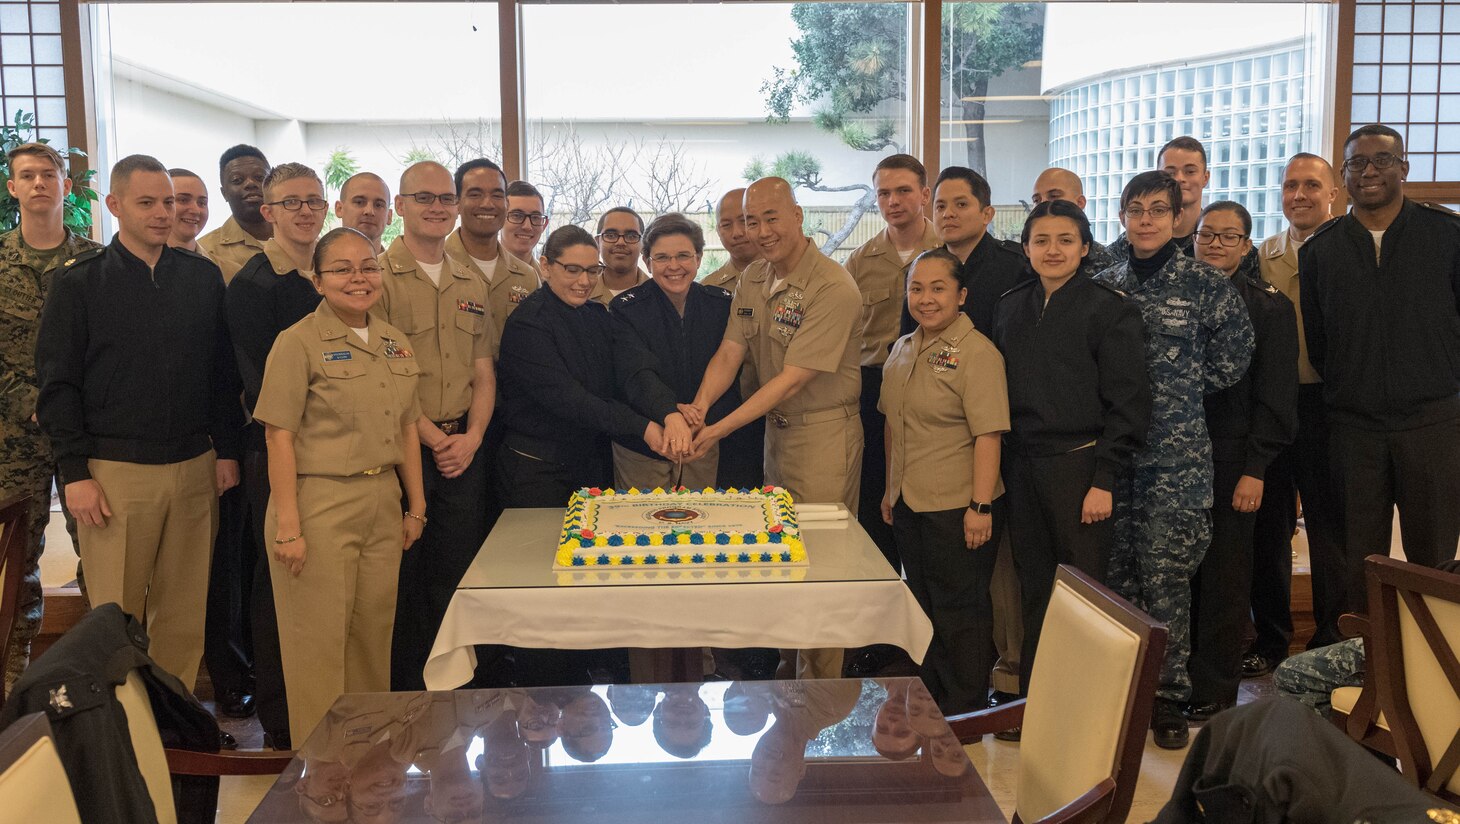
<point>288,540</point>
<point>421,518</point>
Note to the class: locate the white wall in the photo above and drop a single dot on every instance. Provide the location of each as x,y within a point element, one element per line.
<point>179,131</point>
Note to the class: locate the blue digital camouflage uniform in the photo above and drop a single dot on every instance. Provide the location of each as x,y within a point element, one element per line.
<point>26,465</point>
<point>1311,677</point>
<point>1199,339</point>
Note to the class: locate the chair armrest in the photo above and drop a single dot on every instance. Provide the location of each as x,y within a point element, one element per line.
<point>246,762</point>
<point>1353,625</point>
<point>971,725</point>
<point>1092,806</point>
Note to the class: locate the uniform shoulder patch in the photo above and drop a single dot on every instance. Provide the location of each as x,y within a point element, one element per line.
<point>719,292</point>
<point>82,257</point>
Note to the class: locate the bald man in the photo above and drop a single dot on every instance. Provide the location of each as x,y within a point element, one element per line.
<point>444,308</point>
<point>741,453</point>
<point>730,226</point>
<point>795,318</point>
<point>1055,183</point>
<point>364,205</point>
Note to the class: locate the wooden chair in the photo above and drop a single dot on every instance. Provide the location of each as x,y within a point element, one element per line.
<point>1355,710</point>
<point>13,514</point>
<point>33,784</point>
<point>1089,706</point>
<point>1415,624</point>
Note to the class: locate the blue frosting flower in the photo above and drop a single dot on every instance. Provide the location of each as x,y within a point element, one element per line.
<point>743,558</point>
<point>697,558</point>
<point>696,538</point>
<point>749,537</point>
<point>775,537</point>
<point>642,540</point>
<point>721,538</point>
<point>602,560</point>
<point>673,559</point>
<point>585,542</point>
<point>722,558</point>
<point>765,557</point>
<point>615,540</point>
<point>651,559</point>
<point>627,560</point>
<point>786,557</point>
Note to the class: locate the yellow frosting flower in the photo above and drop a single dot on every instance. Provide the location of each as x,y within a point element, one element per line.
<point>762,537</point>
<point>682,538</point>
<point>613,560</point>
<point>658,490</point>
<point>736,539</point>
<point>600,541</point>
<point>655,539</point>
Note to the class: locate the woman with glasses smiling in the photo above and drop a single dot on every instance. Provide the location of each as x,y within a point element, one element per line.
<point>1250,422</point>
<point>670,326</point>
<point>339,410</point>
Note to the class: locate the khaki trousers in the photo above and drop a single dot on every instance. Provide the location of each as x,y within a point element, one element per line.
<point>818,461</point>
<point>1008,620</point>
<point>634,471</point>
<point>337,615</point>
<point>153,555</point>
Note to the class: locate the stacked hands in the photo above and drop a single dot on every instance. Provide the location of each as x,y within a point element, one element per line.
<point>683,436</point>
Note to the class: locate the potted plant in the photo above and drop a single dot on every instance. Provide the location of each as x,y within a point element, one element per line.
<point>78,202</point>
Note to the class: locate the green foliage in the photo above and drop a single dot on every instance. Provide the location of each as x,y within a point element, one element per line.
<point>801,168</point>
<point>340,167</point>
<point>416,154</point>
<point>78,202</point>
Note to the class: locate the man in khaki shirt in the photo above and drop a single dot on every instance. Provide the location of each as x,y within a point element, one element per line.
<point>794,316</point>
<point>443,308</point>
<point>620,238</point>
<point>364,206</point>
<point>1302,467</point>
<point>242,169</point>
<point>190,204</point>
<point>482,187</point>
<point>742,455</point>
<point>527,219</point>
<point>730,226</point>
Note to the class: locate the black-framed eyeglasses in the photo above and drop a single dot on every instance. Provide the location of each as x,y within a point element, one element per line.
<point>575,270</point>
<point>427,198</point>
<point>1207,238</point>
<point>538,219</point>
<point>368,270</point>
<point>1358,163</point>
<point>293,204</point>
<point>1136,212</point>
<point>613,235</point>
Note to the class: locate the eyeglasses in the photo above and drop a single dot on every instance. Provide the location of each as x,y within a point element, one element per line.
<point>1136,212</point>
<point>575,270</point>
<point>369,270</point>
<point>613,235</point>
<point>327,800</point>
<point>1207,238</point>
<point>683,259</point>
<point>427,198</point>
<point>1358,163</point>
<point>538,219</point>
<point>293,204</point>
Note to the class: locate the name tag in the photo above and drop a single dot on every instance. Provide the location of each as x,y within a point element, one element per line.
<point>745,312</point>
<point>343,354</point>
<point>471,306</point>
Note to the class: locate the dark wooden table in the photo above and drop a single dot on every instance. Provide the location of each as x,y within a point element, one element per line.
<point>840,752</point>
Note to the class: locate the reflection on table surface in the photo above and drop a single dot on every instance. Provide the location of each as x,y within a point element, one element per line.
<point>757,751</point>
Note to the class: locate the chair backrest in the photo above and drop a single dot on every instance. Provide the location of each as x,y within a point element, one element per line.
<point>33,784</point>
<point>12,565</point>
<point>147,745</point>
<point>1090,698</point>
<point>1414,615</point>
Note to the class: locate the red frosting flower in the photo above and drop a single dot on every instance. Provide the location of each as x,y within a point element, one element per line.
<point>775,528</point>
<point>594,491</point>
<point>587,533</point>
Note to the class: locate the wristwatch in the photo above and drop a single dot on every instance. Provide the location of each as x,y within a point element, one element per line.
<point>981,508</point>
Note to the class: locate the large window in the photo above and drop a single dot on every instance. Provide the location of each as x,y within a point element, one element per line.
<point>32,80</point>
<point>1023,89</point>
<point>704,97</point>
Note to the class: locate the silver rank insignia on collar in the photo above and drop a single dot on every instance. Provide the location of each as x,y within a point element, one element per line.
<point>59,700</point>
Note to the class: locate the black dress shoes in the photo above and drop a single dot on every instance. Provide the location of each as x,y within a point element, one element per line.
<point>1202,711</point>
<point>1169,725</point>
<point>226,741</point>
<point>1256,665</point>
<point>997,698</point>
<point>236,704</point>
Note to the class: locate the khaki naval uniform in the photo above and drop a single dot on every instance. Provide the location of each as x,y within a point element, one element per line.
<point>742,452</point>
<point>726,277</point>
<point>230,246</point>
<point>604,295</point>
<point>346,401</point>
<point>509,285</point>
<point>814,439</point>
<point>939,395</point>
<point>450,327</point>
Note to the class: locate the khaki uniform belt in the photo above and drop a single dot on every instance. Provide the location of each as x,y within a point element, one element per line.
<point>781,420</point>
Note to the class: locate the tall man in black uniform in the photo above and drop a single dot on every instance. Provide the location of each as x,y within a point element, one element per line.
<point>138,391</point>
<point>961,216</point>
<point>1249,422</point>
<point>1381,311</point>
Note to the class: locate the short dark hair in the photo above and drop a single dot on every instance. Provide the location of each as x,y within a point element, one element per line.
<point>1058,208</point>
<point>673,223</point>
<point>474,164</point>
<point>181,172</point>
<point>521,188</point>
<point>1375,130</point>
<point>1154,182</point>
<point>1186,143</point>
<point>619,209</point>
<point>564,238</point>
<point>329,239</point>
<point>975,181</point>
<point>131,164</point>
<point>940,254</point>
<point>233,153</point>
<point>905,162</point>
<point>1234,207</point>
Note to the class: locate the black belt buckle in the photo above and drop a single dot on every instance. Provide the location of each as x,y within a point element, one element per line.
<point>779,420</point>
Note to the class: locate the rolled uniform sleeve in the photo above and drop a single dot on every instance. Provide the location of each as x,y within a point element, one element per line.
<point>1125,395</point>
<point>826,326</point>
<point>1274,375</point>
<point>60,366</point>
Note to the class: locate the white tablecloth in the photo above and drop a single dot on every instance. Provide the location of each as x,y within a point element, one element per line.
<point>847,597</point>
